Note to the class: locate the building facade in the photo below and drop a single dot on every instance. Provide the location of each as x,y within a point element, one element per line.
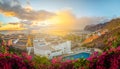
<point>52,49</point>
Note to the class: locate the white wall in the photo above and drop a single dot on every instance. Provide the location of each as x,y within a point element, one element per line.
<point>62,48</point>
<point>68,47</point>
<point>53,54</point>
<point>41,52</point>
<point>65,47</point>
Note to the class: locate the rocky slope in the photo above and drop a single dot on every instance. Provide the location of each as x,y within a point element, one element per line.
<point>114,32</point>
<point>107,25</point>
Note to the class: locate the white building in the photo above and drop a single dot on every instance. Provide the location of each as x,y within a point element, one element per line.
<point>53,49</point>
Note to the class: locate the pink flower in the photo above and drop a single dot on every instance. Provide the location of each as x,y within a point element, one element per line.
<point>54,60</point>
<point>118,48</point>
<point>68,61</point>
<point>25,55</point>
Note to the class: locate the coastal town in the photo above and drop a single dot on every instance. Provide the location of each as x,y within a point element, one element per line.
<point>59,34</point>
<point>50,45</point>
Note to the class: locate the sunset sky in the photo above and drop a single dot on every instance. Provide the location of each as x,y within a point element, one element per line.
<point>40,10</point>
<point>80,7</point>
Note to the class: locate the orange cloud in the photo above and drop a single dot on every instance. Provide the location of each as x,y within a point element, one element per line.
<point>28,8</point>
<point>9,14</point>
<point>64,18</point>
<point>65,21</point>
<point>61,23</point>
<point>12,27</point>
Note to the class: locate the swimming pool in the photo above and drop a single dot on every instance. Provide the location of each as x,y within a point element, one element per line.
<point>79,55</point>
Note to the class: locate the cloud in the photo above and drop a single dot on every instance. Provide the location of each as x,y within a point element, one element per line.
<point>12,26</point>
<point>65,19</point>
<point>1,24</point>
<point>14,8</point>
<point>83,21</point>
<point>9,14</point>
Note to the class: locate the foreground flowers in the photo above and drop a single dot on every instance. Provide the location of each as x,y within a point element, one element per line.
<point>13,61</point>
<point>10,59</point>
<point>107,60</point>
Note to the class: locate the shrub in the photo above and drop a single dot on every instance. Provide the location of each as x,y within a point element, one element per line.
<point>12,61</point>
<point>107,60</point>
<point>41,62</point>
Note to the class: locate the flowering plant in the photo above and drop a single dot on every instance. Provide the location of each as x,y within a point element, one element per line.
<point>107,60</point>
<point>13,61</point>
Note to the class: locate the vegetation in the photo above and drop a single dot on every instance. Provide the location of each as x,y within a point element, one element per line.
<point>113,24</point>
<point>112,38</point>
<point>72,37</point>
<point>11,58</point>
<point>109,59</point>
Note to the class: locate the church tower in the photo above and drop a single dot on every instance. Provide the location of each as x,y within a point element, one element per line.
<point>29,41</point>
<point>29,44</point>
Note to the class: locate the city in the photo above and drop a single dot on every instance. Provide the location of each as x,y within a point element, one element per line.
<point>59,34</point>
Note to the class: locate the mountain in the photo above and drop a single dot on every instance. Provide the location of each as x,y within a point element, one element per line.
<point>115,23</point>
<point>113,28</point>
<point>93,28</point>
<point>107,25</point>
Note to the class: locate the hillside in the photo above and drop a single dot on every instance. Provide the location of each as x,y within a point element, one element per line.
<point>112,36</point>
<point>96,27</point>
<point>112,24</point>
<point>107,25</point>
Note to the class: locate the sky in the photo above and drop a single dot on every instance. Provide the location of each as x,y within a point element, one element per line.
<point>81,7</point>
<point>17,10</point>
